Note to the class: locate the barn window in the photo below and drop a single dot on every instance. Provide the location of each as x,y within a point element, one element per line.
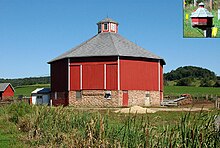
<point>105,26</point>
<point>108,95</point>
<point>78,95</point>
<point>147,95</point>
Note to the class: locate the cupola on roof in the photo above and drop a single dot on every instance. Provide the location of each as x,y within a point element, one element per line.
<point>107,25</point>
<point>108,43</point>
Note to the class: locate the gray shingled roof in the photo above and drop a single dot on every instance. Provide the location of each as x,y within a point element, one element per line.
<point>108,44</point>
<point>3,86</point>
<point>201,12</point>
<point>107,20</point>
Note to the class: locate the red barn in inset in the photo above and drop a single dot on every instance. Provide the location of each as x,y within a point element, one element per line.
<point>6,91</point>
<point>107,70</point>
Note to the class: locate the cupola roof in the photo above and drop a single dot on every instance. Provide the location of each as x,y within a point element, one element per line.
<point>201,12</point>
<point>107,20</point>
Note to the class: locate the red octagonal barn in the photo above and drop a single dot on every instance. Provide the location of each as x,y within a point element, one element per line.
<point>107,71</point>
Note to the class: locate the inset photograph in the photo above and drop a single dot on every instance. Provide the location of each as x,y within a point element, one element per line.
<point>201,18</point>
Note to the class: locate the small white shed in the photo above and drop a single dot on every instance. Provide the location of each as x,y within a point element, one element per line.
<point>40,96</point>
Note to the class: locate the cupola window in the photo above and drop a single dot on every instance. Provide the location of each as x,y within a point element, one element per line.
<point>105,26</point>
<point>99,28</point>
<point>113,27</point>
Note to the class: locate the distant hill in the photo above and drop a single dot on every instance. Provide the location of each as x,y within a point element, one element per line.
<point>26,81</point>
<point>192,76</point>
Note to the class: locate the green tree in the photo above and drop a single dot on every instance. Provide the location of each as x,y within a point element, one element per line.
<point>206,83</point>
<point>185,82</point>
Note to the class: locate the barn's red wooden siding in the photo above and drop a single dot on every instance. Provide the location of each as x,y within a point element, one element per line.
<point>59,76</point>
<point>111,76</point>
<point>161,82</point>
<point>135,74</point>
<point>9,92</point>
<point>57,102</point>
<point>161,77</point>
<point>93,76</point>
<point>93,73</point>
<point>152,76</point>
<point>75,77</point>
<point>138,75</point>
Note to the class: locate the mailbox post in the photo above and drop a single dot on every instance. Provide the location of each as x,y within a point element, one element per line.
<point>202,19</point>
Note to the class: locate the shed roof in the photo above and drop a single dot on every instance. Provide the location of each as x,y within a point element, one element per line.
<point>108,44</point>
<point>41,91</point>
<point>3,86</point>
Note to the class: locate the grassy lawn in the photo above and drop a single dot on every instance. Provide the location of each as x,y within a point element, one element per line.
<point>27,89</point>
<point>194,91</point>
<point>168,90</point>
<point>9,133</point>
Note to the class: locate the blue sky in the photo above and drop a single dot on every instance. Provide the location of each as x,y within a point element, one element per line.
<point>32,32</point>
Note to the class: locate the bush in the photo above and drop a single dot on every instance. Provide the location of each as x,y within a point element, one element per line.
<point>18,110</point>
<point>185,82</point>
<point>206,83</point>
<point>217,83</point>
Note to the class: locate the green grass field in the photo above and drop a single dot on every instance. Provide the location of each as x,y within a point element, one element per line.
<point>27,89</point>
<point>194,91</point>
<point>190,32</point>
<point>168,90</point>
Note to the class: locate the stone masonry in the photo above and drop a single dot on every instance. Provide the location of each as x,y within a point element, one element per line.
<point>138,97</point>
<point>96,98</point>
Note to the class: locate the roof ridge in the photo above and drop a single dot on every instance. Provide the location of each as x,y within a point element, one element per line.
<point>114,43</point>
<point>3,86</point>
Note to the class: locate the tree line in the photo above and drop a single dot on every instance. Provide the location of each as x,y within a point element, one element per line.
<point>192,76</point>
<point>26,81</point>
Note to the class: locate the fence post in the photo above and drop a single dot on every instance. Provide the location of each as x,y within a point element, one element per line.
<point>217,103</point>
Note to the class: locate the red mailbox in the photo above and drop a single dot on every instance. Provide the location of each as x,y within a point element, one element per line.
<point>202,18</point>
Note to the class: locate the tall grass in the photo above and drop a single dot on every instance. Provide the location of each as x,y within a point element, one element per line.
<point>66,127</point>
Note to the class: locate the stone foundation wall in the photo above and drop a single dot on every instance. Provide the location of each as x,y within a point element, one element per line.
<point>143,98</point>
<point>6,98</point>
<point>94,98</point>
<point>155,98</point>
<point>136,97</point>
